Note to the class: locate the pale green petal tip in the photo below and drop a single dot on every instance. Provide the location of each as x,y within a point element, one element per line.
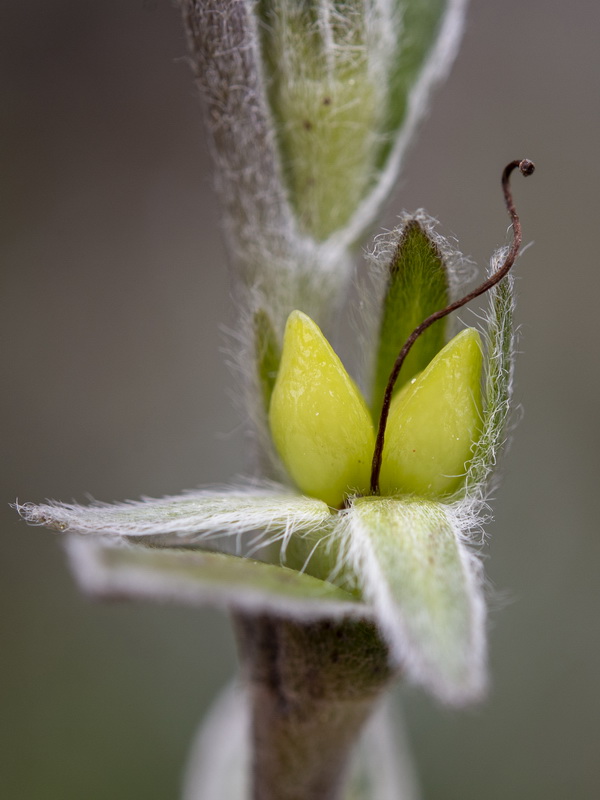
<point>435,422</point>
<point>320,423</point>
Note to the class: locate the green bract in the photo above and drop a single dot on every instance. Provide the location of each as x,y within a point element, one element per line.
<point>324,434</point>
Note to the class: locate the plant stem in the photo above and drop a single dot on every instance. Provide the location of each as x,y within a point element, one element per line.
<point>312,686</point>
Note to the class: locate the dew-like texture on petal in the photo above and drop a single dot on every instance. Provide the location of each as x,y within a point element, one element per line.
<point>320,423</point>
<point>424,587</point>
<point>435,422</point>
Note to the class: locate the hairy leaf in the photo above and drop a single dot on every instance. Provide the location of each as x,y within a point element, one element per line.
<point>422,583</point>
<point>197,578</point>
<point>190,517</point>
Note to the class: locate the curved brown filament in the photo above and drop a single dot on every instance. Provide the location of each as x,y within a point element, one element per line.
<point>526,167</point>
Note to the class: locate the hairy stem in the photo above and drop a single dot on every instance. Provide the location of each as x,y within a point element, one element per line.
<point>223,44</point>
<point>312,687</point>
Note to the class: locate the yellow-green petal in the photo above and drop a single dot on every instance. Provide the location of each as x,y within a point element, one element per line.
<point>434,423</point>
<point>320,423</point>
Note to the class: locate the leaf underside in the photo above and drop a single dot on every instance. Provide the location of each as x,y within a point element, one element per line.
<point>104,569</point>
<point>190,517</point>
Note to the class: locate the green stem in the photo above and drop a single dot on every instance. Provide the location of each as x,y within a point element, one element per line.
<point>312,687</point>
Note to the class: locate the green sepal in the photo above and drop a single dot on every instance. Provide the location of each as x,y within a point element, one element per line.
<point>499,366</point>
<point>268,355</point>
<point>315,553</point>
<point>417,285</point>
<point>422,583</point>
<point>188,519</point>
<point>198,578</point>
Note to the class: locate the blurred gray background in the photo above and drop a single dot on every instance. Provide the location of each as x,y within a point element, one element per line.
<point>114,289</point>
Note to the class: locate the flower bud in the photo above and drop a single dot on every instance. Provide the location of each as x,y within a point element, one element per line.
<point>329,93</point>
<point>346,84</point>
<point>319,421</point>
<point>434,422</point>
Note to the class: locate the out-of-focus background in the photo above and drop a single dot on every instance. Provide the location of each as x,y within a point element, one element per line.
<point>114,289</point>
